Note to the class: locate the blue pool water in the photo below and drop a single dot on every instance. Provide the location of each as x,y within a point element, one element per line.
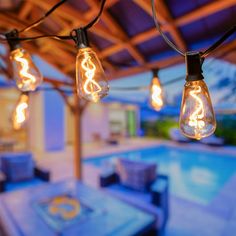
<point>194,175</point>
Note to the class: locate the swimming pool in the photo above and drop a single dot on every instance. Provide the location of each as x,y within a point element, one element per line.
<point>194,175</point>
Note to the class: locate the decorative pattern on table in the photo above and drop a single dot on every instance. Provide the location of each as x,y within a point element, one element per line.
<point>62,211</point>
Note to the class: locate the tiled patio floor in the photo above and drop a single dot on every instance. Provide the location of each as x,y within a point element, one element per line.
<point>187,218</point>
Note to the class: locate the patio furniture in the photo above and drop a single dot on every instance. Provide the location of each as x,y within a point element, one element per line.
<point>94,212</point>
<point>213,141</point>
<point>150,195</point>
<point>19,170</point>
<point>177,136</point>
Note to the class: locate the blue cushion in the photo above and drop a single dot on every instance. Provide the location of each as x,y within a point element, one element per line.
<point>17,166</point>
<point>136,175</point>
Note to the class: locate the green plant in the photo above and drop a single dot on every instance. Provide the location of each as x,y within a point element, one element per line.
<point>226,128</point>
<point>159,128</point>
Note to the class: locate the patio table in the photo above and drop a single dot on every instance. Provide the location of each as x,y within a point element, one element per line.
<point>22,213</point>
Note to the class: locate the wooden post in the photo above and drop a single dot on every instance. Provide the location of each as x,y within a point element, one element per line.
<point>78,141</point>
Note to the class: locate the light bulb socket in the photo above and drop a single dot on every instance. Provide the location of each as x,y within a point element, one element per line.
<point>26,93</point>
<point>12,39</point>
<point>81,38</point>
<point>193,62</point>
<point>155,72</point>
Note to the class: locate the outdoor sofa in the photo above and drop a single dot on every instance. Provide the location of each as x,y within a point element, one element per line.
<point>138,184</point>
<point>19,170</point>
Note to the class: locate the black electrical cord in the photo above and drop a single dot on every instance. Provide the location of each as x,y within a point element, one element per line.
<point>57,37</point>
<point>39,21</point>
<point>171,44</point>
<point>174,47</point>
<point>96,19</point>
<point>219,42</point>
<point>79,35</point>
<point>53,36</point>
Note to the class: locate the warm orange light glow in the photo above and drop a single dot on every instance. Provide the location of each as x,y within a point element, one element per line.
<point>156,99</point>
<point>90,85</point>
<point>21,112</point>
<point>57,207</point>
<point>90,77</point>
<point>25,72</point>
<point>197,119</point>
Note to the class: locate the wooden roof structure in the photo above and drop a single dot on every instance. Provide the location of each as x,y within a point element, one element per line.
<point>125,38</point>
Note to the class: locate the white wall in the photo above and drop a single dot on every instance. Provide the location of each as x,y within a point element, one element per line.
<point>36,123</point>
<point>8,100</point>
<point>95,121</point>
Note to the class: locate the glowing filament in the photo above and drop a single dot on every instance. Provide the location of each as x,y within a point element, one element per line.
<point>156,94</point>
<point>196,118</point>
<point>26,76</point>
<point>20,113</point>
<point>90,85</point>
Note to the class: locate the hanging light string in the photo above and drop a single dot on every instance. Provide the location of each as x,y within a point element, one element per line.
<point>72,36</point>
<point>96,19</point>
<point>54,36</point>
<point>158,26</point>
<point>219,42</point>
<point>41,20</point>
<point>178,50</point>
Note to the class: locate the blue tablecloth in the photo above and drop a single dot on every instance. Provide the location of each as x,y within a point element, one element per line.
<point>106,216</point>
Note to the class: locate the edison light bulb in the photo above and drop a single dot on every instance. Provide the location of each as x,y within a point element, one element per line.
<point>91,81</point>
<point>26,74</point>
<point>197,119</point>
<point>156,99</point>
<point>20,113</point>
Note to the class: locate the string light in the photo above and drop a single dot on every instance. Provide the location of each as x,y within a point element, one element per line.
<point>91,81</point>
<point>197,119</point>
<point>25,73</point>
<point>20,114</point>
<point>156,99</point>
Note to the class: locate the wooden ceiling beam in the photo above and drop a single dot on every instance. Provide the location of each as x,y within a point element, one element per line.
<point>220,52</point>
<point>149,66</point>
<point>206,10</point>
<point>90,14</point>
<point>24,10</point>
<point>195,15</point>
<point>56,49</point>
<point>231,46</point>
<point>171,27</point>
<point>120,33</point>
<point>49,57</point>
<point>71,14</point>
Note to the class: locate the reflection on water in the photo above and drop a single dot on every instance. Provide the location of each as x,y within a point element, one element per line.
<point>194,175</point>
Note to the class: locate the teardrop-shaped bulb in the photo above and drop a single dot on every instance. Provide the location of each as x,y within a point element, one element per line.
<point>26,74</point>
<point>91,81</point>
<point>20,114</point>
<point>156,98</point>
<point>197,119</point>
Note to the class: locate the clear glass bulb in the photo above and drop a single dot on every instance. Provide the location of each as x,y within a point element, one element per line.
<point>20,114</point>
<point>156,99</point>
<point>197,119</point>
<point>26,74</point>
<point>90,77</point>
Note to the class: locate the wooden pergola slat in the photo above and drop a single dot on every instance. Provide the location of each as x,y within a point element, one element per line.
<point>69,17</point>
